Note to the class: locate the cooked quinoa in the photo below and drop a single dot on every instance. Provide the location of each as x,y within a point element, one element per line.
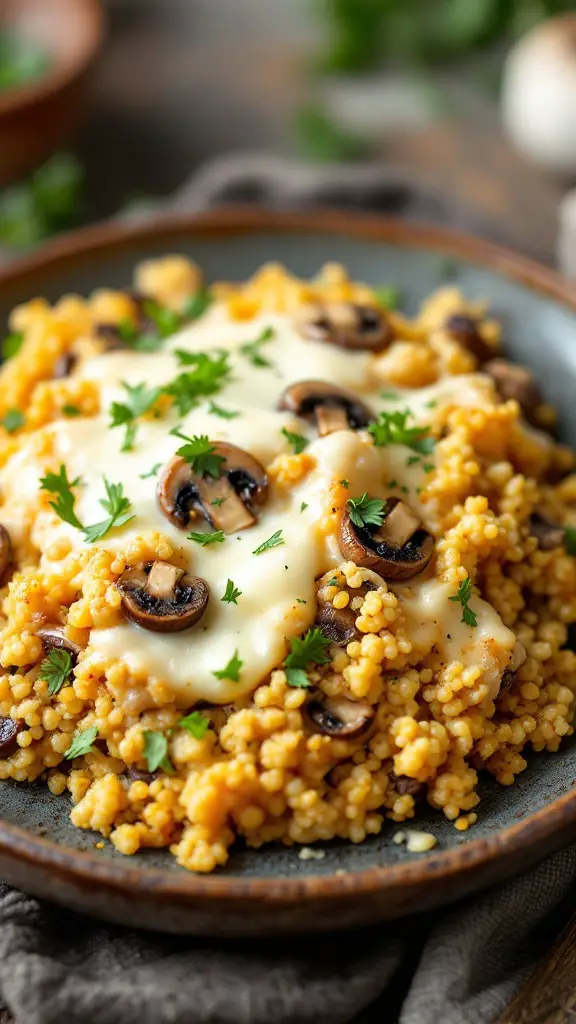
<point>361,610</point>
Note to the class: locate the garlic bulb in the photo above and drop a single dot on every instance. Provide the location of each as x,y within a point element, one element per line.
<point>539,94</point>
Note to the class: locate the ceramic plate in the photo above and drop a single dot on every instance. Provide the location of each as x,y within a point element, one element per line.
<point>272,890</point>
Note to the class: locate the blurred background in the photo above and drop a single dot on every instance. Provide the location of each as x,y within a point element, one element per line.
<point>459,111</point>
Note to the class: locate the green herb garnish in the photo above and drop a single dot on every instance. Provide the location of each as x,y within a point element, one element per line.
<point>82,743</point>
<point>344,483</point>
<point>232,669</point>
<point>13,420</point>
<point>391,428</point>
<point>195,723</point>
<point>56,669</point>
<point>12,344</point>
<point>463,596</point>
<point>59,485</point>
<point>311,649</point>
<point>570,539</point>
<point>365,511</point>
<point>206,378</point>
<point>124,414</point>
<point>252,348</point>
<point>273,542</point>
<point>156,752</point>
<point>388,296</point>
<point>119,511</point>
<point>200,453</point>
<point>298,441</point>
<point>224,414</point>
<point>71,411</point>
<point>204,539</point>
<point>303,505</point>
<point>197,304</point>
<point>412,460</point>
<point>151,472</point>
<point>231,594</point>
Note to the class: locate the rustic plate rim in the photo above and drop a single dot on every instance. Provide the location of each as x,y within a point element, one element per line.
<point>86,867</point>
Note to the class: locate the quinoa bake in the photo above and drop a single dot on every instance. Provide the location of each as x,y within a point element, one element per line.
<point>277,562</point>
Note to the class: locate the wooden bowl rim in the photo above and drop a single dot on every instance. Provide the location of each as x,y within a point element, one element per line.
<point>86,868</point>
<point>14,101</point>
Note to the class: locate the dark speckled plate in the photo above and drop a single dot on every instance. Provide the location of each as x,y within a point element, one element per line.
<point>272,890</point>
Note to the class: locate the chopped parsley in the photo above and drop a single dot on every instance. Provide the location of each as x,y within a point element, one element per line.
<point>298,441</point>
<point>224,414</point>
<point>204,539</point>
<point>12,344</point>
<point>412,460</point>
<point>432,403</point>
<point>333,582</point>
<point>151,472</point>
<point>231,594</point>
<point>206,378</point>
<point>274,541</point>
<point>124,414</point>
<point>161,324</point>
<point>303,506</point>
<point>391,428</point>
<point>389,396</point>
<point>344,483</point>
<point>119,511</point>
<point>365,511</point>
<point>200,453</point>
<point>428,467</point>
<point>570,539</point>
<point>252,348</point>
<point>218,501</point>
<point>195,723</point>
<point>156,752</point>
<point>463,596</point>
<point>388,296</point>
<point>231,670</point>
<point>300,600</point>
<point>12,420</point>
<point>60,486</point>
<point>56,669</point>
<point>311,649</point>
<point>197,304</point>
<point>71,411</point>
<point>117,506</point>
<point>82,743</point>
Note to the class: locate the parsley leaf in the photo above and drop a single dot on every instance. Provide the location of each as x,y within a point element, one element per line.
<point>151,472</point>
<point>82,743</point>
<point>570,539</point>
<point>224,414</point>
<point>391,428</point>
<point>119,512</point>
<point>205,379</point>
<point>298,441</point>
<point>71,411</point>
<point>232,669</point>
<point>140,400</point>
<point>196,723</point>
<point>204,539</point>
<point>12,420</point>
<point>55,669</point>
<point>59,485</point>
<point>275,541</point>
<point>412,460</point>
<point>200,453</point>
<point>303,506</point>
<point>463,596</point>
<point>252,348</point>
<point>12,344</point>
<point>390,396</point>
<point>231,594</point>
<point>366,511</point>
<point>311,649</point>
<point>388,296</point>
<point>156,752</point>
<point>197,304</point>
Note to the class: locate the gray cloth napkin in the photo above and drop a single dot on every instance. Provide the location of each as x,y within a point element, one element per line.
<point>458,966</point>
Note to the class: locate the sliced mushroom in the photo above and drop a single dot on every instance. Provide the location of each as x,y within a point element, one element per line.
<point>507,680</point>
<point>339,624</point>
<point>407,786</point>
<point>5,553</point>
<point>329,407</point>
<point>53,636</point>
<point>9,730</point>
<point>346,324</point>
<point>229,503</point>
<point>162,598</point>
<point>339,717</point>
<point>465,330</point>
<point>64,365</point>
<point>517,382</point>
<point>397,550</point>
<point>548,534</point>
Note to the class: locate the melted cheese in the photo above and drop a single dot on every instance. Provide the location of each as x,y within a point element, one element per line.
<point>278,588</point>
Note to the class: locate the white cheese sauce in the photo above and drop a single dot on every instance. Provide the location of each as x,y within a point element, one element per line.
<point>278,586</point>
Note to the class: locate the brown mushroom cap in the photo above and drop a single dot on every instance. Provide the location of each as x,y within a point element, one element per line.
<point>339,624</point>
<point>397,550</point>
<point>346,324</point>
<point>465,330</point>
<point>239,491</point>
<point>5,553</point>
<point>517,382</point>
<point>64,365</point>
<point>329,407</point>
<point>53,636</point>
<point>405,785</point>
<point>339,717</point>
<point>9,730</point>
<point>549,535</point>
<point>162,598</point>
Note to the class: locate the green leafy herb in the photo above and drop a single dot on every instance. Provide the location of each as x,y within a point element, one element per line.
<point>195,723</point>
<point>392,484</point>
<point>333,582</point>
<point>412,460</point>
<point>71,411</point>
<point>224,414</point>
<point>252,348</point>
<point>166,321</point>
<point>12,344</point>
<point>140,400</point>
<point>300,600</point>
<point>206,378</point>
<point>432,403</point>
<point>231,594</point>
<point>232,669</point>
<point>56,669</point>
<point>151,472</point>
<point>388,296</point>
<point>391,428</point>
<point>198,304</point>
<point>298,441</point>
<point>311,649</point>
<point>323,140</point>
<point>204,539</point>
<point>12,420</point>
<point>365,511</point>
<point>21,60</point>
<point>344,483</point>
<point>297,677</point>
<point>570,539</point>
<point>303,505</point>
<point>200,453</point>
<point>156,752</point>
<point>389,396</point>
<point>82,743</point>
<point>273,542</point>
<point>119,511</point>
<point>463,596</point>
<point>218,501</point>
<point>428,467</point>
<point>59,485</point>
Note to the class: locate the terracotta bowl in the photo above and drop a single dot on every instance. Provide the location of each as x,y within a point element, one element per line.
<point>271,890</point>
<point>39,116</point>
